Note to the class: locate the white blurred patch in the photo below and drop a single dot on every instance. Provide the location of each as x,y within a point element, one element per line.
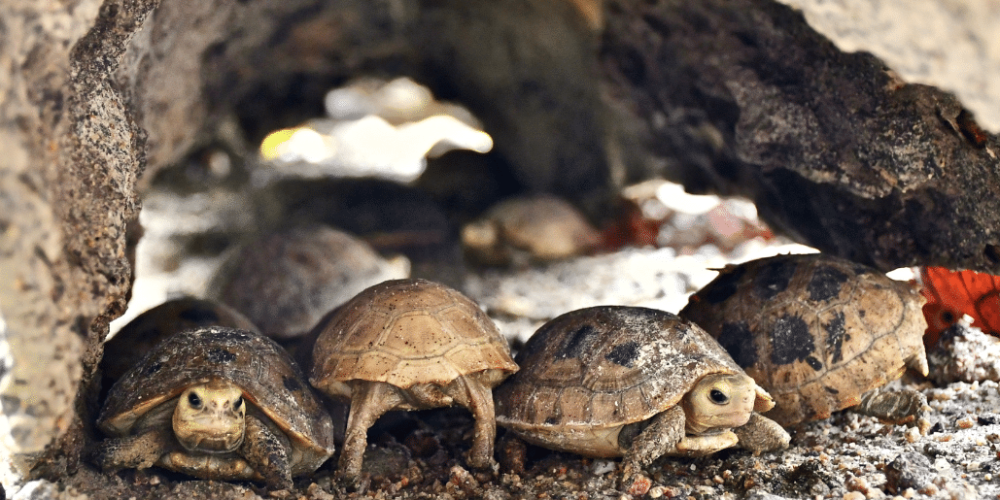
<point>376,129</point>
<point>903,274</point>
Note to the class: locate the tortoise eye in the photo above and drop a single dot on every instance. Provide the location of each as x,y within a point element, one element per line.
<point>238,404</point>
<point>194,401</point>
<point>718,397</point>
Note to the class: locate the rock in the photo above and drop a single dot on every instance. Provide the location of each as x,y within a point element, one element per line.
<point>908,470</point>
<point>834,148</point>
<point>919,41</point>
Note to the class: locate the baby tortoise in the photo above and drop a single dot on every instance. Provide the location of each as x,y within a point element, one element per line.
<point>286,280</point>
<point>539,228</point>
<point>136,338</point>
<point>215,403</point>
<point>410,345</point>
<point>820,333</point>
<point>641,383</point>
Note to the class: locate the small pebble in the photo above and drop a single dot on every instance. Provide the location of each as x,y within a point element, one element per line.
<point>912,435</point>
<point>857,484</point>
<point>854,495</point>
<point>966,422</point>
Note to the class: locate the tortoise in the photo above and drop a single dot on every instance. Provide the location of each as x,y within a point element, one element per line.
<point>819,333</point>
<point>409,345</point>
<point>215,403</point>
<point>286,280</point>
<point>531,228</point>
<point>612,381</point>
<point>137,337</point>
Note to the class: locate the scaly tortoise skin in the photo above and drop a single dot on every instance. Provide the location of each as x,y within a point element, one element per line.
<point>287,279</point>
<point>539,228</point>
<point>410,345</point>
<point>216,403</point>
<point>135,339</point>
<point>641,383</point>
<point>819,333</point>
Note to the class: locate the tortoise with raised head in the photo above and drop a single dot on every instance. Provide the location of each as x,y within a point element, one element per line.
<point>641,383</point>
<point>215,403</point>
<point>410,345</point>
<point>819,333</point>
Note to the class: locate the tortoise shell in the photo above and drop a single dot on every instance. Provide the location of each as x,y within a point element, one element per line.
<point>286,280</point>
<point>814,331</point>
<point>146,330</point>
<point>592,371</point>
<point>270,380</point>
<point>545,227</point>
<point>407,332</point>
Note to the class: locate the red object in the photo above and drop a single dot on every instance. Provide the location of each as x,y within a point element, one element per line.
<point>951,294</point>
<point>629,228</point>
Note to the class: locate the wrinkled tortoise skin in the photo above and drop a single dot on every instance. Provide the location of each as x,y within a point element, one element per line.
<point>817,332</point>
<point>271,382</point>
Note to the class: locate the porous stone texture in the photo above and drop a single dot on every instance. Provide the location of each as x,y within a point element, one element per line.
<point>950,44</point>
<point>742,97</point>
<point>71,155</point>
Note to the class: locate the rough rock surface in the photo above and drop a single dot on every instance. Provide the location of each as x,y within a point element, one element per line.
<point>835,149</point>
<point>71,155</point>
<point>945,43</point>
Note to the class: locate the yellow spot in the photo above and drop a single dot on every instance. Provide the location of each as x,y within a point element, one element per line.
<point>272,146</point>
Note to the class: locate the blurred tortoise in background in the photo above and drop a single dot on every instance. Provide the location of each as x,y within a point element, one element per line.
<point>641,383</point>
<point>524,229</point>
<point>286,280</point>
<point>819,333</point>
<point>215,403</point>
<point>410,345</point>
<point>136,338</point>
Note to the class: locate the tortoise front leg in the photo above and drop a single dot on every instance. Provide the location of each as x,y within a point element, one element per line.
<point>660,437</point>
<point>761,434</point>
<point>369,400</point>
<point>265,453</point>
<point>132,452</point>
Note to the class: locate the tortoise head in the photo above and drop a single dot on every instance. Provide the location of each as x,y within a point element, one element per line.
<point>719,401</point>
<point>209,417</point>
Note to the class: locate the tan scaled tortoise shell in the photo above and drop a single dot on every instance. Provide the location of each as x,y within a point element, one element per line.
<point>409,345</point>
<point>522,229</point>
<point>276,427</point>
<point>819,333</point>
<point>641,383</point>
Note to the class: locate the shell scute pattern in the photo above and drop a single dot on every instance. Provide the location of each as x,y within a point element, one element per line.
<point>407,332</point>
<point>605,367</point>
<point>815,331</point>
